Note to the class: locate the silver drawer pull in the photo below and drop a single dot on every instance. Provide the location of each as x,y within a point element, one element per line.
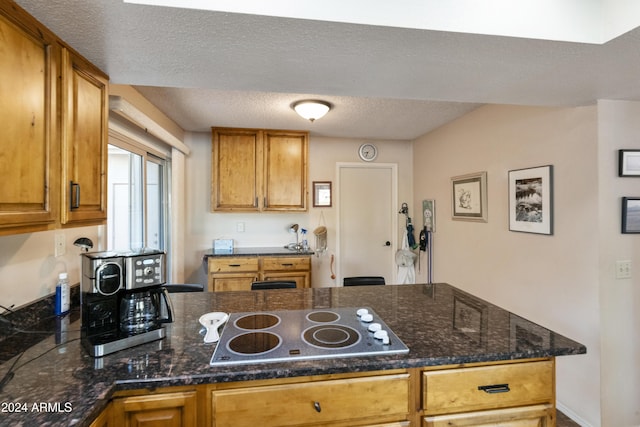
<point>317,406</point>
<point>494,388</point>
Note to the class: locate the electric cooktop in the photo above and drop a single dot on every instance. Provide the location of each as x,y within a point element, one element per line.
<point>277,336</point>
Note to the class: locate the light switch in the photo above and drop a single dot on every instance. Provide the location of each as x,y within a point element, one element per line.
<point>623,269</point>
<point>240,227</point>
<point>59,245</point>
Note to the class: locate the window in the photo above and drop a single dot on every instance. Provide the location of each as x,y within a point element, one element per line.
<point>137,198</point>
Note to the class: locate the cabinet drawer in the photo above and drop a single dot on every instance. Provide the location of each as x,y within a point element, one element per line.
<point>488,387</point>
<point>286,263</point>
<point>527,416</point>
<point>228,265</point>
<point>318,402</point>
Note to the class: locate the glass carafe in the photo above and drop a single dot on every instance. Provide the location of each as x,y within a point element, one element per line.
<point>138,313</point>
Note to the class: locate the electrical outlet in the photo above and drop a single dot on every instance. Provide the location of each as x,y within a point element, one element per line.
<point>59,245</point>
<point>240,227</point>
<point>623,269</point>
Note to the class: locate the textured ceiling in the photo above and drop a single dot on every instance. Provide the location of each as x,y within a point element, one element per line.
<point>208,69</point>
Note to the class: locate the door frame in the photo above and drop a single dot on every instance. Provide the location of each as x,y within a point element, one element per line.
<point>394,209</point>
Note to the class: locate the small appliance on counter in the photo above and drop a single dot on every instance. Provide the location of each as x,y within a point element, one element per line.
<point>123,300</point>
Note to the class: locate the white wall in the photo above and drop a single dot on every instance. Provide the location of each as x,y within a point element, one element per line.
<point>28,268</point>
<point>619,128</point>
<point>552,280</point>
<point>270,229</point>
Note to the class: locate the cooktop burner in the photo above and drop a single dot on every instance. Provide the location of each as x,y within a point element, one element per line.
<point>277,336</point>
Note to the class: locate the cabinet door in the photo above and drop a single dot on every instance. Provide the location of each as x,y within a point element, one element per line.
<point>232,273</point>
<point>84,141</point>
<point>302,278</point>
<point>288,268</point>
<point>236,170</point>
<point>165,409</point>
<point>285,172</point>
<point>530,416</point>
<point>103,420</point>
<point>232,282</point>
<point>28,135</point>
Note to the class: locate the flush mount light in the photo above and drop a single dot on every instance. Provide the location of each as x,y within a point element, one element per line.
<point>311,109</point>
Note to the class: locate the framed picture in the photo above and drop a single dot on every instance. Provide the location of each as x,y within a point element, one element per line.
<point>628,162</point>
<point>469,197</point>
<point>321,194</point>
<point>631,215</point>
<point>531,200</point>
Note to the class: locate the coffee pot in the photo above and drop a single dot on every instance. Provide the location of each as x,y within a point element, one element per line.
<point>144,310</point>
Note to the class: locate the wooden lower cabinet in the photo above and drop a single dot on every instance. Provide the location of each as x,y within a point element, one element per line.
<point>230,273</point>
<point>171,409</point>
<point>297,269</point>
<point>506,394</point>
<point>527,416</point>
<point>519,394</point>
<point>373,400</point>
<point>104,419</point>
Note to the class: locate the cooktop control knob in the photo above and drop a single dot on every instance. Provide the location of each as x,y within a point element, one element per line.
<point>381,334</point>
<point>374,327</point>
<point>362,311</point>
<point>367,317</point>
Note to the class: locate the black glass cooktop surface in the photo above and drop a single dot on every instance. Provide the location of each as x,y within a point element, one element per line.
<point>277,336</point>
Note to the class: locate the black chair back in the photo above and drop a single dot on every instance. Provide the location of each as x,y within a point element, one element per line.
<point>363,281</point>
<point>273,284</point>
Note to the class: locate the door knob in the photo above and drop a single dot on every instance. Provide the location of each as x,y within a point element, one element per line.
<point>387,243</point>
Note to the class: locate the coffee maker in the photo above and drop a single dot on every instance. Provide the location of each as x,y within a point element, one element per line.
<point>123,300</point>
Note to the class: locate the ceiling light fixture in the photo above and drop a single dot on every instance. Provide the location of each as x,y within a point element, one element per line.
<point>311,109</point>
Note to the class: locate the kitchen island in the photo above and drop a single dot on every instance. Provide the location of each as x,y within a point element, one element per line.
<point>446,330</point>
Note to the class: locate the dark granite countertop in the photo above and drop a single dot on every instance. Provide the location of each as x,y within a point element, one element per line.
<point>272,251</point>
<point>60,384</point>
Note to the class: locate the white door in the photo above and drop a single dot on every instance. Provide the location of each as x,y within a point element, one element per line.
<point>367,220</point>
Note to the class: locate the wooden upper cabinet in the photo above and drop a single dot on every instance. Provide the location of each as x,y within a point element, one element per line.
<point>285,172</point>
<point>258,170</point>
<point>85,113</point>
<point>236,169</point>
<point>28,142</point>
<point>53,138</point>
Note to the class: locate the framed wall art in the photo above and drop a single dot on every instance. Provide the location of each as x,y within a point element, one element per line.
<point>628,163</point>
<point>531,200</point>
<point>469,197</point>
<point>321,194</point>
<point>630,215</point>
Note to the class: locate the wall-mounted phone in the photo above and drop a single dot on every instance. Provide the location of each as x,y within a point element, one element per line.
<point>423,239</point>
<point>429,214</point>
<point>428,222</point>
<point>426,234</point>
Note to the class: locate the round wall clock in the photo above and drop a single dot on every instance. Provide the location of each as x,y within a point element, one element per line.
<point>368,152</point>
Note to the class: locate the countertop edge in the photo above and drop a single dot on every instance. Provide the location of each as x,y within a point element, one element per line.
<point>257,251</point>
